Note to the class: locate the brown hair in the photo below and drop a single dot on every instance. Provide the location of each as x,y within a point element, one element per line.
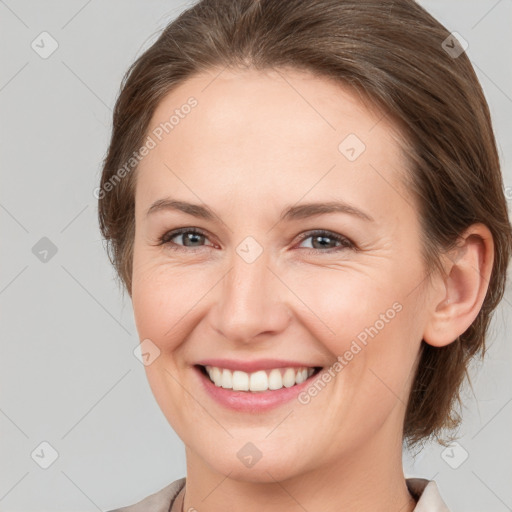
<point>395,54</point>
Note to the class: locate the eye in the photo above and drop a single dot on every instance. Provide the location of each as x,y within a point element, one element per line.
<point>322,239</point>
<point>190,237</point>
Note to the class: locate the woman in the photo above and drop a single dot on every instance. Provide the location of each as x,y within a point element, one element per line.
<point>304,201</point>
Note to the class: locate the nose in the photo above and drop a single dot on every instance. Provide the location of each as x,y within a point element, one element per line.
<point>252,302</point>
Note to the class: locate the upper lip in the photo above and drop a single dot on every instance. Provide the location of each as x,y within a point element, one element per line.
<point>254,366</point>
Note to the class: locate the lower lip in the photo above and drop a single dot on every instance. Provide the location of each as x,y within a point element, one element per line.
<point>247,401</point>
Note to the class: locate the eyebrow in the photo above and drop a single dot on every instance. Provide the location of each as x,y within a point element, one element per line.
<point>295,212</point>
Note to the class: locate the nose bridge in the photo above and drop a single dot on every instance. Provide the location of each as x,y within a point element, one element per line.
<point>250,301</point>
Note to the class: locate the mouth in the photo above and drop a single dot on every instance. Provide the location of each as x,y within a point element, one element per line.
<point>261,381</point>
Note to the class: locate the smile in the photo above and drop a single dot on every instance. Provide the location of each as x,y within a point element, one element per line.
<point>257,391</point>
<point>262,380</point>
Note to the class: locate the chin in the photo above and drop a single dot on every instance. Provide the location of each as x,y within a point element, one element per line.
<point>275,466</point>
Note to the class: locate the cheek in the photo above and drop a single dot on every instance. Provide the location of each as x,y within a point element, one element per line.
<point>370,325</point>
<point>338,304</point>
<point>164,297</point>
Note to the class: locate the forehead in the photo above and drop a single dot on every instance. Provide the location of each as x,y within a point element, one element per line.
<point>255,132</point>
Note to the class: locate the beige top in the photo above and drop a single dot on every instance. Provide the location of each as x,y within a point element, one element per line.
<point>170,498</point>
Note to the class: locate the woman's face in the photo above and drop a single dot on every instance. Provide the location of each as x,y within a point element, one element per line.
<point>259,289</point>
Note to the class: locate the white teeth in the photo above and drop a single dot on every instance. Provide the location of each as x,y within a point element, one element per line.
<point>289,378</point>
<point>258,381</point>
<point>275,381</point>
<point>301,376</point>
<point>240,380</point>
<point>216,376</point>
<point>226,379</point>
<point>261,380</point>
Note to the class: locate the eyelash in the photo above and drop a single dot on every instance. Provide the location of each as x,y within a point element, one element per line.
<point>165,239</point>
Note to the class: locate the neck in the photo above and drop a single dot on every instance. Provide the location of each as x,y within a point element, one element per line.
<point>369,478</point>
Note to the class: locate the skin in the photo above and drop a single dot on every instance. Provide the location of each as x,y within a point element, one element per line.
<point>256,143</point>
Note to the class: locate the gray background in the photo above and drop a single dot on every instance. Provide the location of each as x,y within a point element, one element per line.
<point>68,373</point>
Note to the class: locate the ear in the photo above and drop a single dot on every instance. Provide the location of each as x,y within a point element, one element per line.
<point>459,294</point>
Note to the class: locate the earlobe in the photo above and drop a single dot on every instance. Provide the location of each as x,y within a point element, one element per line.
<point>459,294</point>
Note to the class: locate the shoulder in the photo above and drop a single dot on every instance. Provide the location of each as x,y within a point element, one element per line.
<point>426,494</point>
<point>424,491</point>
<point>159,501</point>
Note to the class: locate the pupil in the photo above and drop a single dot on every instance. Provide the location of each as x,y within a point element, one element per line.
<point>320,237</point>
<point>191,235</point>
